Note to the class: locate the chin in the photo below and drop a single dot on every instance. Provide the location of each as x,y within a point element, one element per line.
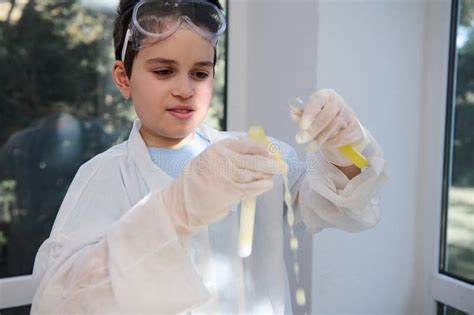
<point>182,133</point>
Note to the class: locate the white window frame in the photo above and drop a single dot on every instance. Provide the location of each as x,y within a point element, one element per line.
<point>16,291</point>
<point>434,286</point>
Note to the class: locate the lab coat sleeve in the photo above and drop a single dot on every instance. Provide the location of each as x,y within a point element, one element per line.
<point>325,198</point>
<point>137,264</point>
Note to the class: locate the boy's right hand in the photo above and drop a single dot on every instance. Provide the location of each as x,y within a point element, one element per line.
<point>221,176</point>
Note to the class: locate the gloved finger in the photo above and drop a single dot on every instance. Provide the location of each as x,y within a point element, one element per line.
<point>303,136</point>
<point>258,163</point>
<point>351,134</point>
<point>315,104</point>
<point>322,120</point>
<point>295,114</point>
<point>330,132</point>
<point>246,146</point>
<point>322,139</point>
<point>256,188</point>
<point>328,115</point>
<point>245,176</point>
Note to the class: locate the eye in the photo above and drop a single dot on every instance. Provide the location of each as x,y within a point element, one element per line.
<point>163,72</point>
<point>200,75</point>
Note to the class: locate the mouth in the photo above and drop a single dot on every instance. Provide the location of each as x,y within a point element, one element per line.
<point>181,111</point>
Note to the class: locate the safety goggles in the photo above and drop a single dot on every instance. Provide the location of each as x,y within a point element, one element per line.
<point>155,20</point>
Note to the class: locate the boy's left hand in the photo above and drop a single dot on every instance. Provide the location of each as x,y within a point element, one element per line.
<point>326,122</point>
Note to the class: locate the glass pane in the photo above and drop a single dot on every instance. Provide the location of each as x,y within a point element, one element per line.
<point>216,116</point>
<point>459,251</point>
<point>22,310</point>
<point>59,108</point>
<point>448,310</point>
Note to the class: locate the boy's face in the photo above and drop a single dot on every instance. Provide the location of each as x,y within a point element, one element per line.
<point>168,78</point>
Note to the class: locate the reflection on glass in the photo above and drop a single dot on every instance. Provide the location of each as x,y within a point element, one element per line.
<point>459,253</point>
<point>22,310</point>
<point>58,109</point>
<point>216,115</point>
<point>448,310</point>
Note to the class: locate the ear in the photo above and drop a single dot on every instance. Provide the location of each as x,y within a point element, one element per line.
<point>119,75</point>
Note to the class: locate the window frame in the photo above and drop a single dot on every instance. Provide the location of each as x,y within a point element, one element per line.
<point>439,68</point>
<point>448,144</point>
<point>16,291</point>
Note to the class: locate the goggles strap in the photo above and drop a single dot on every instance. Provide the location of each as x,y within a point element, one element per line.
<point>125,43</point>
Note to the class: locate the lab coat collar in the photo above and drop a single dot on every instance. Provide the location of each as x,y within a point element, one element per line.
<point>138,153</point>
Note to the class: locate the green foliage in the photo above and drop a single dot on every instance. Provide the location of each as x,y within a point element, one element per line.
<point>466,12</point>
<point>56,57</point>
<point>463,146</point>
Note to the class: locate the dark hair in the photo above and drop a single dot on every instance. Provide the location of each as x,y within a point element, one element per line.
<point>121,24</point>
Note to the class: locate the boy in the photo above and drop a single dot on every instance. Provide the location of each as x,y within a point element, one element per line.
<point>138,233</point>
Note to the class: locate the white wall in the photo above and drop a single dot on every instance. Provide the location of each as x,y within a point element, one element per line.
<point>373,53</point>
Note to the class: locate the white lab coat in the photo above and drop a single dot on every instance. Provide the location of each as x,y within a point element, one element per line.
<point>113,249</point>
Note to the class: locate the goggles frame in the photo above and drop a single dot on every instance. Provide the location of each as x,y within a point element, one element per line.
<point>135,28</point>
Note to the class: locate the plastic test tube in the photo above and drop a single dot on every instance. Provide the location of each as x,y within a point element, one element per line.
<point>247,211</point>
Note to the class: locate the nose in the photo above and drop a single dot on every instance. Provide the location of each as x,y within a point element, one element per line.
<point>184,87</point>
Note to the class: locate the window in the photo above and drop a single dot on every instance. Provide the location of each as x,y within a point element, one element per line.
<point>457,228</point>
<point>446,310</point>
<point>217,112</point>
<point>457,253</point>
<point>59,108</point>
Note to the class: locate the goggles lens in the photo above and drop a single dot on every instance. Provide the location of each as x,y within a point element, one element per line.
<point>159,17</point>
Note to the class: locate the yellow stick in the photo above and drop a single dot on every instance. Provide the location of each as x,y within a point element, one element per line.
<point>353,155</point>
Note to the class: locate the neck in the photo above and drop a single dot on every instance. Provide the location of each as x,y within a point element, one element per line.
<point>158,141</point>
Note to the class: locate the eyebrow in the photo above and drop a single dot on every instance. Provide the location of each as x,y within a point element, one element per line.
<point>160,60</point>
<point>173,62</point>
<point>204,64</point>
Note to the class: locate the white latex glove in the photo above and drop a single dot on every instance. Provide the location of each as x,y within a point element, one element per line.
<point>326,122</point>
<point>221,176</point>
